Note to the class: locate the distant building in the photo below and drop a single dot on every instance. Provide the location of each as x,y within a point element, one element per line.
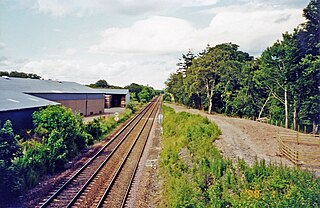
<point>116,97</point>
<point>20,97</point>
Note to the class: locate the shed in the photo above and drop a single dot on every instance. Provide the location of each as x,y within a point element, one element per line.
<point>116,97</point>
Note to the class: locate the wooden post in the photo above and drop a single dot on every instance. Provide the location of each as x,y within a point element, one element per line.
<point>305,129</point>
<point>298,137</point>
<point>281,123</point>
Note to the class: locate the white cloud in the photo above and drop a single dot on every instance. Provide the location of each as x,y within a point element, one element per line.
<point>2,45</point>
<point>70,51</point>
<point>118,73</point>
<point>54,69</point>
<point>253,27</point>
<point>155,34</point>
<point>87,7</point>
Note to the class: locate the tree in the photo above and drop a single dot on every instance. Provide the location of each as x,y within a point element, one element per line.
<point>210,66</point>
<point>20,75</point>
<point>8,144</point>
<point>185,62</point>
<point>308,46</point>
<point>277,69</point>
<point>9,150</point>
<point>61,131</point>
<point>308,35</point>
<point>135,89</point>
<point>146,94</point>
<point>100,84</point>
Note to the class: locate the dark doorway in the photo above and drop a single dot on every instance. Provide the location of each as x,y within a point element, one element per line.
<point>116,100</point>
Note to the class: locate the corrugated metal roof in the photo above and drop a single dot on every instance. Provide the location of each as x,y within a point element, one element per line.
<point>114,91</point>
<point>11,100</point>
<point>14,92</point>
<point>42,86</point>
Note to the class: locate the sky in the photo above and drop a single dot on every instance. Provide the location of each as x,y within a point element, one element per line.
<point>126,41</point>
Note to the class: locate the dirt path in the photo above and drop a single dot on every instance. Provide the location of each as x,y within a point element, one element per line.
<point>244,138</point>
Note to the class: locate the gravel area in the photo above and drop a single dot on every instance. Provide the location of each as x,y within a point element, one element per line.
<point>145,192</point>
<point>246,139</point>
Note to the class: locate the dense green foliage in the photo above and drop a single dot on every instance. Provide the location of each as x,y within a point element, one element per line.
<point>62,131</point>
<point>99,127</point>
<point>59,135</point>
<point>282,84</point>
<point>141,93</point>
<point>138,93</point>
<point>196,175</point>
<point>9,150</point>
<point>19,75</point>
<point>103,84</point>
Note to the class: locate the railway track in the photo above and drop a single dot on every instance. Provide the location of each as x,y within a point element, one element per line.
<point>117,193</point>
<point>89,186</point>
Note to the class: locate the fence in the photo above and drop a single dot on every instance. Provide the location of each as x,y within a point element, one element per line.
<point>299,157</point>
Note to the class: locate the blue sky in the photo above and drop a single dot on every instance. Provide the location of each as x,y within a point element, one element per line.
<point>125,41</point>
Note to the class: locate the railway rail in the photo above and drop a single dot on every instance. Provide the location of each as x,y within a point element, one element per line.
<point>92,184</point>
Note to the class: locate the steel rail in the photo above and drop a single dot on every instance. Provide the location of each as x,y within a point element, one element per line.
<point>141,113</point>
<point>137,166</point>
<point>108,189</point>
<point>75,198</point>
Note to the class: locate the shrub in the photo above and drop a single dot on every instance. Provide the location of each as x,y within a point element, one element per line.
<point>9,150</point>
<point>65,124</point>
<point>132,106</point>
<point>33,163</point>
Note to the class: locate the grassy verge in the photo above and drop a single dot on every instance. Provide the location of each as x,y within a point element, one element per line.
<point>196,175</point>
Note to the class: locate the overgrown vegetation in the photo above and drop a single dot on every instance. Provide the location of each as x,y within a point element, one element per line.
<point>59,136</point>
<point>196,175</point>
<point>99,127</point>
<point>282,84</point>
<point>141,93</point>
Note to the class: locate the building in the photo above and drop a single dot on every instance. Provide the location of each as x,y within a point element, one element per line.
<point>18,108</point>
<point>20,97</point>
<point>116,97</point>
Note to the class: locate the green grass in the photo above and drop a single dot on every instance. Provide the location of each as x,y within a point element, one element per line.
<point>196,175</point>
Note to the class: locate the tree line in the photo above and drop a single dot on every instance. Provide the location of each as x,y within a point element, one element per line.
<point>282,84</point>
<point>19,74</point>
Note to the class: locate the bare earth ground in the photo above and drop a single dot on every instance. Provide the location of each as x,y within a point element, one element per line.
<point>247,139</point>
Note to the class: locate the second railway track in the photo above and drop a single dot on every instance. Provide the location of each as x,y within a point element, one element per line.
<point>89,186</point>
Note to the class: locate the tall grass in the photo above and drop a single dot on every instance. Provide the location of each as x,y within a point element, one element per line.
<point>196,175</point>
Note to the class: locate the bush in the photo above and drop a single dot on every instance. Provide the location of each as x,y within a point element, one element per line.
<point>132,106</point>
<point>168,97</point>
<point>33,164</point>
<point>9,150</point>
<point>95,128</point>
<point>62,132</point>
